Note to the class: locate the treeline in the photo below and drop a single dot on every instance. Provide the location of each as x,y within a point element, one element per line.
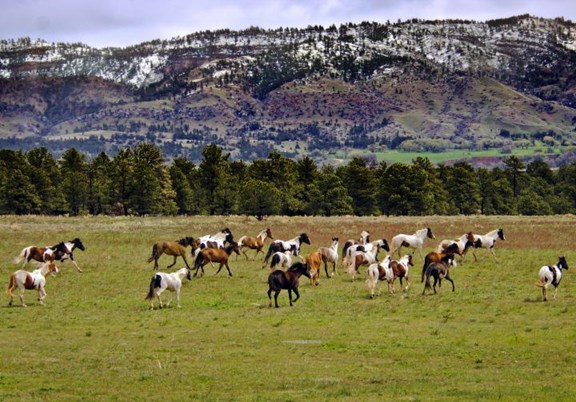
<point>138,181</point>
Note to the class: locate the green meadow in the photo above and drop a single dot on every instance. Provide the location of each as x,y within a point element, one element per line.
<point>96,338</point>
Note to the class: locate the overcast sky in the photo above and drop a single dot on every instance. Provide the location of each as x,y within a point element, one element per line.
<point>102,23</point>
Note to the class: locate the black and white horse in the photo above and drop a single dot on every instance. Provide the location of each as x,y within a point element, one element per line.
<point>487,241</point>
<point>551,275</point>
<point>285,245</point>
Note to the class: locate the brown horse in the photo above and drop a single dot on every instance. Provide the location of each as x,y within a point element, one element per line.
<point>289,280</point>
<point>439,270</point>
<point>254,243</point>
<point>314,262</point>
<point>216,255</point>
<point>173,248</point>
<point>434,256</point>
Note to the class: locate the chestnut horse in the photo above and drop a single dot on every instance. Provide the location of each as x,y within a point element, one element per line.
<point>289,280</point>
<point>173,248</point>
<point>314,262</point>
<point>31,280</point>
<point>254,243</point>
<point>216,255</point>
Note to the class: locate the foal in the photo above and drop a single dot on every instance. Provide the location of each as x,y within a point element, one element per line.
<point>215,255</point>
<point>551,275</point>
<point>279,280</point>
<point>173,248</point>
<point>439,270</point>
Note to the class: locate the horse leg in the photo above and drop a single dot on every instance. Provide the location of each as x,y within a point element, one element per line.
<point>297,294</point>
<point>74,263</point>
<point>277,292</point>
<point>544,288</point>
<point>290,296</point>
<point>407,284</point>
<point>158,294</point>
<point>555,291</point>
<point>178,297</point>
<point>270,297</point>
<point>173,262</point>
<point>447,277</point>
<point>41,295</point>
<point>21,296</point>
<point>228,268</point>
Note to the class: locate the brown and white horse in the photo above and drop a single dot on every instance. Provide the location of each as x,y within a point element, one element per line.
<point>218,255</point>
<point>254,243</point>
<point>59,252</point>
<point>330,255</point>
<point>414,241</point>
<point>463,243</point>
<point>364,238</point>
<point>388,270</point>
<point>31,280</point>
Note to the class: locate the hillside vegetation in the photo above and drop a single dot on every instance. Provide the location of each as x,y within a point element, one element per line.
<point>410,85</point>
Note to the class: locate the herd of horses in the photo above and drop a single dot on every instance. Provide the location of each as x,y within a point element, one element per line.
<point>356,253</point>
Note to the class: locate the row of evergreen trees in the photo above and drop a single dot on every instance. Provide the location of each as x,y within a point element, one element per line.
<point>138,181</point>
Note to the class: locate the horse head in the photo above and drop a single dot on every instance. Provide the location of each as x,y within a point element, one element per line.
<point>304,238</point>
<point>186,241</point>
<point>384,244</point>
<point>269,233</point>
<point>226,230</point>
<point>453,248</point>
<point>410,260</point>
<point>430,234</point>
<point>229,238</point>
<point>501,234</point>
<point>301,269</point>
<point>562,264</point>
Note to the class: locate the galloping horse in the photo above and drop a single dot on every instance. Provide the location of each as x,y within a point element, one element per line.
<point>330,254</point>
<point>282,259</point>
<point>434,256</point>
<point>551,275</point>
<point>289,279</point>
<point>439,270</point>
<point>283,245</point>
<point>463,243</point>
<point>163,281</point>
<point>415,241</point>
<point>389,270</point>
<point>215,255</point>
<point>216,240</point>
<point>359,258</point>
<point>254,243</point>
<point>487,241</point>
<point>367,247</point>
<point>31,280</point>
<point>59,252</point>
<point>173,248</point>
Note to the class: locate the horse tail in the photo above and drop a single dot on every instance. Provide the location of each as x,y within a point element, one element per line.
<point>275,260</point>
<point>154,283</point>
<point>11,284</point>
<point>199,260</point>
<point>154,254</point>
<point>23,255</point>
<point>426,262</point>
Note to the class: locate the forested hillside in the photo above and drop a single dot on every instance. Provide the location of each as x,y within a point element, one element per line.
<point>138,181</point>
<point>317,92</point>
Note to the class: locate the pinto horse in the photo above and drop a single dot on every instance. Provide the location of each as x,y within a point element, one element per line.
<point>283,245</point>
<point>388,270</point>
<point>463,243</point>
<point>551,275</point>
<point>367,247</point>
<point>359,258</point>
<point>162,281</point>
<point>439,270</point>
<point>414,241</point>
<point>364,238</point>
<point>282,259</point>
<point>59,252</point>
<point>487,241</point>
<point>254,243</point>
<point>330,255</point>
<point>215,255</point>
<point>216,240</point>
<point>288,280</point>
<point>173,248</point>
<point>31,280</point>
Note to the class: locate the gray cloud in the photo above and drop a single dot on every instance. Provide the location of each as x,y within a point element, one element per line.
<point>102,23</point>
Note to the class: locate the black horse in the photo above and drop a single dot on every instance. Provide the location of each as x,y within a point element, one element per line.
<point>439,270</point>
<point>279,280</point>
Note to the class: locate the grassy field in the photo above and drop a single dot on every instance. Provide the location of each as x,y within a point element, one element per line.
<point>96,339</point>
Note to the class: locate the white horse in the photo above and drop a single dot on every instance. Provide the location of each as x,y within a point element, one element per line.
<point>487,241</point>
<point>31,280</point>
<point>463,243</point>
<point>378,271</point>
<point>282,258</point>
<point>551,275</point>
<point>171,281</point>
<point>330,255</point>
<point>415,241</point>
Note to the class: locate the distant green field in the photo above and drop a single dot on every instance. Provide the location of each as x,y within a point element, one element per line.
<point>439,157</point>
<point>96,340</point>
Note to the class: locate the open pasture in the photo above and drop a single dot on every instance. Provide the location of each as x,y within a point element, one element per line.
<point>96,339</point>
